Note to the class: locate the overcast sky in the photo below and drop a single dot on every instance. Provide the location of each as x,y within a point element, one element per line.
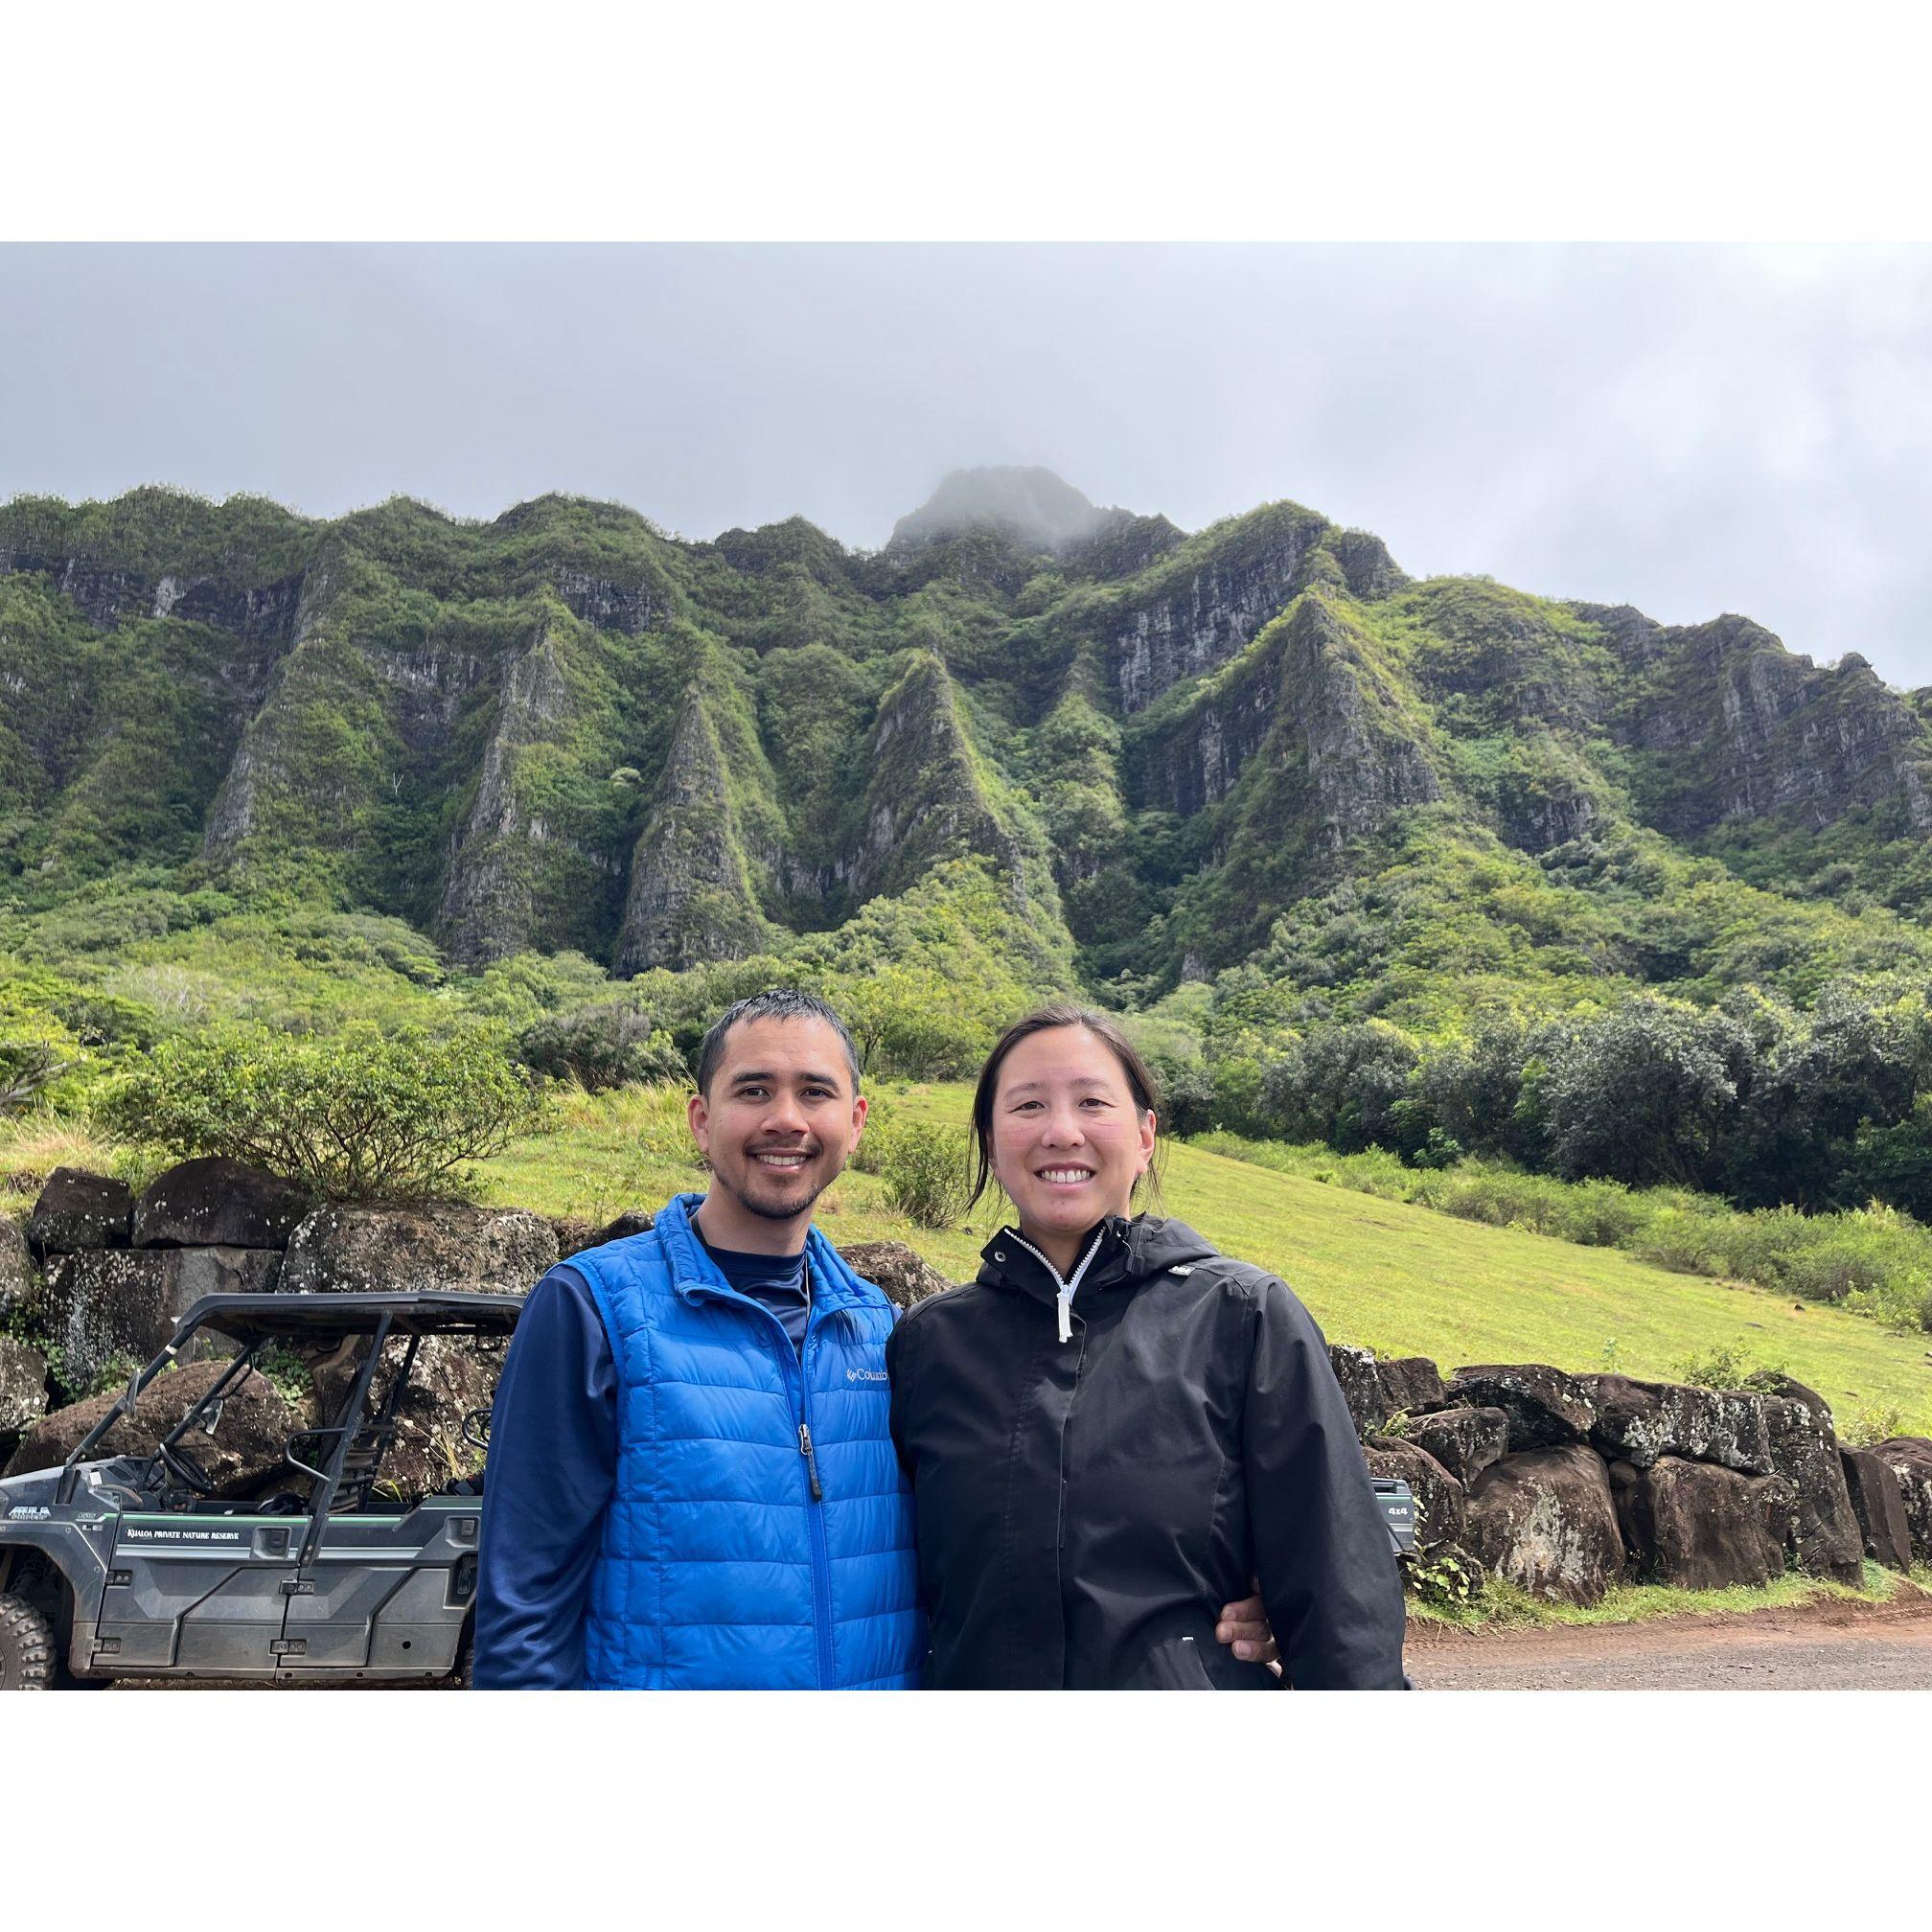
<point>1690,430</point>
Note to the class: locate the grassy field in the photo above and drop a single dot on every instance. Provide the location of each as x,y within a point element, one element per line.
<point>1398,1279</point>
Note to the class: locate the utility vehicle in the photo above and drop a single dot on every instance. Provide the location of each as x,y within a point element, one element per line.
<point>131,1566</point>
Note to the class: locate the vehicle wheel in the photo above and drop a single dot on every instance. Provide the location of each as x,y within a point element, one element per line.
<point>27,1648</point>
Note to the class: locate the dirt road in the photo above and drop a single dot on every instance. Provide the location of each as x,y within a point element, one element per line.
<point>1817,1647</point>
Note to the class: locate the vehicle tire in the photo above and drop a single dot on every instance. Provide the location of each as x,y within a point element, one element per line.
<point>27,1647</point>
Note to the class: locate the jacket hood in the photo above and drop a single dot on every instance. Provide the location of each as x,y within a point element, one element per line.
<point>1130,1251</point>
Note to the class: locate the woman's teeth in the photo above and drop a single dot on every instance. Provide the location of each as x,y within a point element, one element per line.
<point>1065,1174</point>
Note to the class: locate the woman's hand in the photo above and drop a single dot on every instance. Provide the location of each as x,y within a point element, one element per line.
<point>1244,1627</point>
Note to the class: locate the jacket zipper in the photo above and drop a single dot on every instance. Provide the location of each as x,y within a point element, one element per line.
<point>1064,1296</point>
<point>795,1361</point>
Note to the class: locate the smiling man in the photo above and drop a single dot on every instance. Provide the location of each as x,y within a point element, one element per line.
<point>692,1481</point>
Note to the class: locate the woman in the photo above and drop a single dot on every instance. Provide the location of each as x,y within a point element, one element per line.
<point>1115,1427</point>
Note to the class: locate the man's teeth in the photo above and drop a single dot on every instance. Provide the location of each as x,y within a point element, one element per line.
<point>781,1160</point>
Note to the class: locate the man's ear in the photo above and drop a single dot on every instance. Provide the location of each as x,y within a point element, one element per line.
<point>859,1111</point>
<point>699,1116</point>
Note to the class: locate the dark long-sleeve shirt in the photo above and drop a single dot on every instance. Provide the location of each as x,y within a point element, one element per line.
<point>552,1469</point>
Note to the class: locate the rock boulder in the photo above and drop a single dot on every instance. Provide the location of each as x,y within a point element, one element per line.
<point>104,1303</point>
<point>1880,1504</point>
<point>906,1276</point>
<point>1465,1441</point>
<point>19,1285</point>
<point>243,1453</point>
<point>1544,1518</point>
<point>1825,1537</point>
<point>217,1203</point>
<point>1441,1504</point>
<point>444,1245</point>
<point>23,1384</point>
<point>1909,1458</point>
<point>1701,1527</point>
<point>1640,1421</point>
<point>79,1210</point>
<point>1546,1409</point>
<point>1360,1375</point>
<point>1411,1383</point>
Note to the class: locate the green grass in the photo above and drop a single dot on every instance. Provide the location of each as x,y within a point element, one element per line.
<point>1504,1606</point>
<point>1402,1280</point>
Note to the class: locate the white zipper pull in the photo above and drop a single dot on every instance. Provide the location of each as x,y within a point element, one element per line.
<point>1064,1304</point>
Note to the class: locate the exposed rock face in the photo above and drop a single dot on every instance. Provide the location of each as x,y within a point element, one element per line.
<point>1202,612</point>
<point>100,1304</point>
<point>1641,1421</point>
<point>1360,1375</point>
<point>1700,1527</point>
<point>1880,1504</point>
<point>218,1203</point>
<point>1465,1441</point>
<point>1909,1458</point>
<point>1750,730</point>
<point>1441,1507</point>
<point>489,909</point>
<point>691,897</point>
<point>906,1276</point>
<point>23,1384</point>
<point>1121,546</point>
<point>19,1287</point>
<point>1544,1519</point>
<point>1546,1408</point>
<point>79,1210</point>
<point>263,614</point>
<point>1825,1535</point>
<point>243,1453</point>
<point>442,1248</point>
<point>1411,1384</point>
<point>629,608</point>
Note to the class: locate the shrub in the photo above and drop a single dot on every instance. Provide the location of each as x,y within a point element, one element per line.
<point>357,1117</point>
<point>924,1168</point>
<point>613,1044</point>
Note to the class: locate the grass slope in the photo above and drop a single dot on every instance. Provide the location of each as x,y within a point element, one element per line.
<point>1401,1280</point>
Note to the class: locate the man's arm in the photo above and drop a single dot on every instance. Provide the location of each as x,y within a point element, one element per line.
<point>552,1468</point>
<point>1328,1573</point>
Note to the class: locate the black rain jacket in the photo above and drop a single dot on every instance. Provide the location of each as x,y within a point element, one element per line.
<point>1086,1507</point>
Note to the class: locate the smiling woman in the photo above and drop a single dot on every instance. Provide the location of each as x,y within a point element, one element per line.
<point>1092,1482</point>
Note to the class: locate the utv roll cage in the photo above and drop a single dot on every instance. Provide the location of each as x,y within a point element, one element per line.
<point>346,1455</point>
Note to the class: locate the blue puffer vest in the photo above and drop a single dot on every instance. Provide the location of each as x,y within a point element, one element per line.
<point>731,1559</point>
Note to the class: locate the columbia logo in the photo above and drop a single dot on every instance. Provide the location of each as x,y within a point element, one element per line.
<point>866,1375</point>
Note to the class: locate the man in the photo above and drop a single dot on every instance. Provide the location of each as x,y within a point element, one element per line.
<point>691,1484</point>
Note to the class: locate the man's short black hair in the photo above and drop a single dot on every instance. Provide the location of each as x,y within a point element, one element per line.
<point>780,1002</point>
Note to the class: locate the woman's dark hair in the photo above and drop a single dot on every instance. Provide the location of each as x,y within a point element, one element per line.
<point>1140,1081</point>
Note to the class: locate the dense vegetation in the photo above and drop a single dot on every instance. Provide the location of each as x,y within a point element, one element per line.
<point>1435,868</point>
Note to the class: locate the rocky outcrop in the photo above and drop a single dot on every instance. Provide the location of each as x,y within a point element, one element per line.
<point>102,1305</point>
<point>1738,727</point>
<point>691,897</point>
<point>1700,1527</point>
<point>1879,1503</point>
<point>1208,602</point>
<point>906,1276</point>
<point>243,1455</point>
<point>1411,1383</point>
<point>1546,1409</point>
<point>442,1248</point>
<point>80,1210</point>
<point>218,1203</point>
<point>1545,1520</point>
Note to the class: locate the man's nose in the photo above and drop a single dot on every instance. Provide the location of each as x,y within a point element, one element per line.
<point>784,1116</point>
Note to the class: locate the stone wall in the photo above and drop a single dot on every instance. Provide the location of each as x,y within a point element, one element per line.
<point>1563,1484</point>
